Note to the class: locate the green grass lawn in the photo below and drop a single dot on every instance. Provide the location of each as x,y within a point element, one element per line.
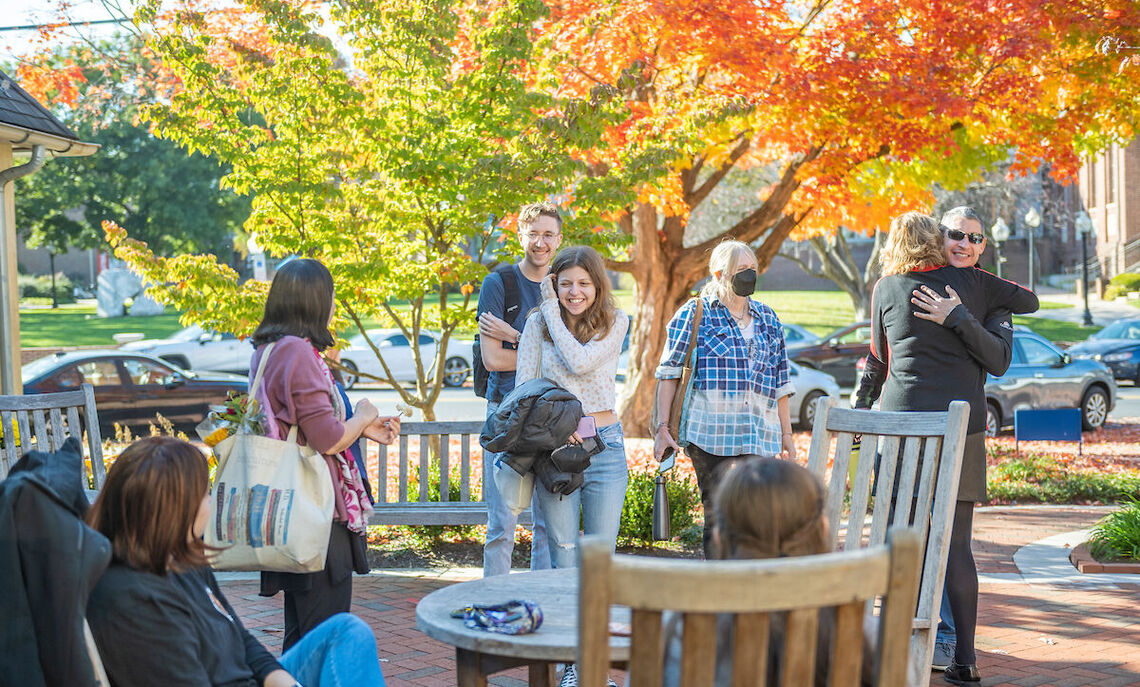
<point>1056,330</point>
<point>77,325</point>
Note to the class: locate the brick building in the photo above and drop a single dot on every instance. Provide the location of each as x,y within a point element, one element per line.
<point>1110,193</point>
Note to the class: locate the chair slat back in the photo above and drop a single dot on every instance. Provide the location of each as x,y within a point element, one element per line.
<point>42,422</point>
<point>907,474</point>
<point>758,597</point>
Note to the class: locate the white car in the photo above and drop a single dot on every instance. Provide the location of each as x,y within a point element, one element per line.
<point>393,346</point>
<point>194,348</point>
<point>811,385</point>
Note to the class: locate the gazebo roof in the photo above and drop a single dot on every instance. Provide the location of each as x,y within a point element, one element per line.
<point>25,123</point>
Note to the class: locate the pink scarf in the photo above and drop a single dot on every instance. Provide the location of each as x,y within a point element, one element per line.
<point>350,486</point>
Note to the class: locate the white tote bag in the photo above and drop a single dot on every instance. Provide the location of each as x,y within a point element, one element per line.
<point>273,502</point>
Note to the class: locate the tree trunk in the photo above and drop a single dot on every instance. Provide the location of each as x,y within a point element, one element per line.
<point>658,299</point>
<point>51,263</point>
<point>664,271</point>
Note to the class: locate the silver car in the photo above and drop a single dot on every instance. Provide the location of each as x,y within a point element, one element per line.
<point>811,385</point>
<point>1042,376</point>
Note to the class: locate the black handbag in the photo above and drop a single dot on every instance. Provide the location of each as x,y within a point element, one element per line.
<point>561,472</point>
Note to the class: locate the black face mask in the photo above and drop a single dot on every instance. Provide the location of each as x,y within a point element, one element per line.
<point>744,283</point>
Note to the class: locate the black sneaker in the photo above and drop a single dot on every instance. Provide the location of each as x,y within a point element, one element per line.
<point>963,675</point>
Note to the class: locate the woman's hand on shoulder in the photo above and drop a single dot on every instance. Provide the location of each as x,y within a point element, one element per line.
<point>934,307</point>
<point>384,430</point>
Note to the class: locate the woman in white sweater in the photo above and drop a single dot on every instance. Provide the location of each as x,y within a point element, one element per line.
<point>574,339</point>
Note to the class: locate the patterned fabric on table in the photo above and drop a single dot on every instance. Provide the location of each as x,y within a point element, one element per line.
<point>736,383</point>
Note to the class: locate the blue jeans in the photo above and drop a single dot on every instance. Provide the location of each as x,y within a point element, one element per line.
<point>946,621</point>
<point>501,522</point>
<point>598,503</point>
<point>341,651</point>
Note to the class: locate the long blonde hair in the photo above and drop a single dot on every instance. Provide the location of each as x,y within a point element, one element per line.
<point>766,508</point>
<point>723,262</point>
<point>915,242</point>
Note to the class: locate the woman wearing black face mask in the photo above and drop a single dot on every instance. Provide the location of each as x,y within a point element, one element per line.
<point>738,404</point>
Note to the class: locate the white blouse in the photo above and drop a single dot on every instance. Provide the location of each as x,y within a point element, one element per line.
<point>587,370</point>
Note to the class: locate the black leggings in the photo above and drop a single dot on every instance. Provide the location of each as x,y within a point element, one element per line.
<point>962,582</point>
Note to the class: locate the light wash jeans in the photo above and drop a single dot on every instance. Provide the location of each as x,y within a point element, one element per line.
<point>598,503</point>
<point>501,522</point>
<point>340,652</point>
<point>946,631</point>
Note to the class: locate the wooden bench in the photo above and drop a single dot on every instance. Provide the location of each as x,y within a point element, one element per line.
<point>417,443</point>
<point>44,421</point>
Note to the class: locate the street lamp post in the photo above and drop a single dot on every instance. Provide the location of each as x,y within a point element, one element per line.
<point>1084,228</point>
<point>1000,232</point>
<point>1032,220</point>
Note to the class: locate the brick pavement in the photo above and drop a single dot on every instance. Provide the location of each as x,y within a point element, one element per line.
<point>1029,635</point>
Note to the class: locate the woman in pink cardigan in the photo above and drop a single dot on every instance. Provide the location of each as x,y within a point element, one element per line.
<point>298,389</point>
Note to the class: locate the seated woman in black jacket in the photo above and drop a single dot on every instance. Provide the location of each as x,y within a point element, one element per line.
<point>158,615</point>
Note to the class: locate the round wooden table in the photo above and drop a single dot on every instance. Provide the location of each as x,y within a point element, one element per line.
<point>479,653</point>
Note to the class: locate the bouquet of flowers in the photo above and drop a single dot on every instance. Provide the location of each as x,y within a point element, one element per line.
<point>240,412</point>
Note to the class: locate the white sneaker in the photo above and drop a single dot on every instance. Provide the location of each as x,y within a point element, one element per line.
<point>569,677</point>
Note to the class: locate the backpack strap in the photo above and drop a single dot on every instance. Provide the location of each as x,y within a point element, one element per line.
<point>512,300</point>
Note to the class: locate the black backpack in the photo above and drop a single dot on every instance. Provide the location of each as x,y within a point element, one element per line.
<point>511,308</point>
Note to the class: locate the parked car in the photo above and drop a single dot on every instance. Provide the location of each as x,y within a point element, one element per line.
<point>835,353</point>
<point>195,348</point>
<point>811,385</point>
<point>1042,376</point>
<point>130,388</point>
<point>1117,346</point>
<point>397,353</point>
<point>795,335</point>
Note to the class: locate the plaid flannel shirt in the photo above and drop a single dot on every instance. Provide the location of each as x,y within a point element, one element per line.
<point>732,410</point>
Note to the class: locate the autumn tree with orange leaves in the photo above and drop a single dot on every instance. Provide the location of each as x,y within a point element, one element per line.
<point>852,107</point>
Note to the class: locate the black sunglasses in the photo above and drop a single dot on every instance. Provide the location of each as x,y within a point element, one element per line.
<point>956,235</point>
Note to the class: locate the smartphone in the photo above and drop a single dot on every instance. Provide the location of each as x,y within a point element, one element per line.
<point>586,427</point>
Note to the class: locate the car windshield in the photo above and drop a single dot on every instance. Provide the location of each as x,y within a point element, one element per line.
<point>191,333</point>
<point>1123,329</point>
<point>38,366</point>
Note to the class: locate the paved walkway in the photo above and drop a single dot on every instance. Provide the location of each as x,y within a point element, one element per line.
<point>1103,312</point>
<point>1038,625</point>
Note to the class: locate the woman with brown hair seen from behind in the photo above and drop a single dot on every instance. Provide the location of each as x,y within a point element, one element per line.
<point>158,615</point>
<point>298,389</point>
<point>767,508</point>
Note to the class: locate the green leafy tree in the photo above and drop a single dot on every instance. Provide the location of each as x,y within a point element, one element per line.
<point>146,185</point>
<point>395,163</point>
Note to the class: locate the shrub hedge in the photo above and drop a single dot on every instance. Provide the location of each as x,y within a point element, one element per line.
<point>1117,536</point>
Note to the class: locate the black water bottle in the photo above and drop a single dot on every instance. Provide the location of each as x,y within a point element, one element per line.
<point>661,528</point>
